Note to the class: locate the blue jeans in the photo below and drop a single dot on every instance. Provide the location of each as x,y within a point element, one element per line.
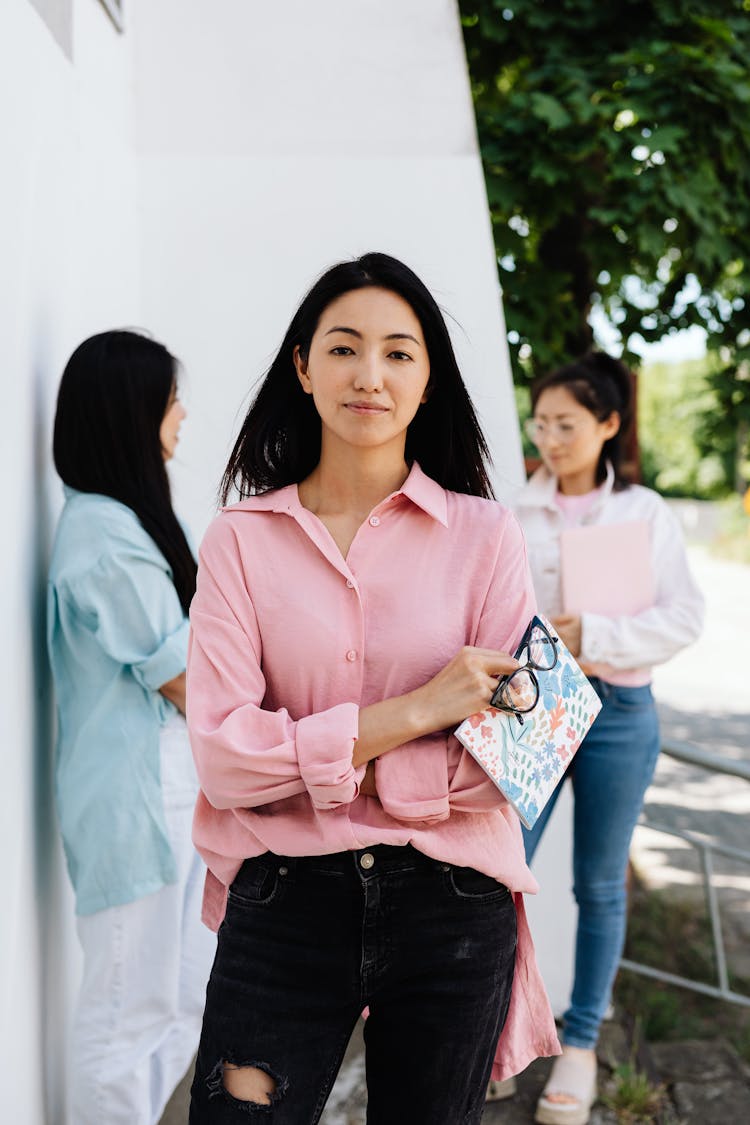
<point>307,943</point>
<point>610,774</point>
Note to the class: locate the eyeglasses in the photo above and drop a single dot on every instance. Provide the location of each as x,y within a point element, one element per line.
<point>518,692</point>
<point>543,431</point>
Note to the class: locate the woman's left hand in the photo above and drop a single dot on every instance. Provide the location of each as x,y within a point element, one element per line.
<point>570,630</point>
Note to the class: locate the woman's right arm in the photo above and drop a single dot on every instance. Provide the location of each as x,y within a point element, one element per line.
<point>247,756</point>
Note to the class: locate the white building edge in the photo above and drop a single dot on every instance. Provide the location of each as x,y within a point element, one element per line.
<point>191,173</point>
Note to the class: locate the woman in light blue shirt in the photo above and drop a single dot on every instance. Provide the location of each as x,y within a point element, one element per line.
<point>121,579</point>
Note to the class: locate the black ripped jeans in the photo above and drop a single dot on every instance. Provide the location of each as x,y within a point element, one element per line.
<point>307,943</point>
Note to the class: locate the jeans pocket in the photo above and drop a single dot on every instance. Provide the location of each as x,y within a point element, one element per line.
<point>257,883</point>
<point>467,882</point>
<point>630,699</point>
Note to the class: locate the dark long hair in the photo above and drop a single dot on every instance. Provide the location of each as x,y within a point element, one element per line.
<point>112,399</point>
<point>602,385</point>
<point>279,442</point>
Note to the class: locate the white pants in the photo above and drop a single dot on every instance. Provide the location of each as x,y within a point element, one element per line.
<point>145,968</point>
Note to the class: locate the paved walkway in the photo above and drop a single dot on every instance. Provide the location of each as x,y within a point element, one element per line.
<point>704,698</point>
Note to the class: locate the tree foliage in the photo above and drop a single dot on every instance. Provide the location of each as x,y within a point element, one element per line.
<point>616,146</point>
<point>674,399</point>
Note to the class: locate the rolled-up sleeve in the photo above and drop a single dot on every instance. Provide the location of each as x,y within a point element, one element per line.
<point>247,755</point>
<point>136,614</point>
<point>169,660</point>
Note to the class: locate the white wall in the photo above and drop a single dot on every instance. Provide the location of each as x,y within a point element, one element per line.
<point>68,224</point>
<point>552,913</point>
<point>276,139</point>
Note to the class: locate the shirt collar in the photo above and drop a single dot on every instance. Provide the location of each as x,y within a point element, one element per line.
<point>426,493</point>
<point>420,489</point>
<point>541,488</point>
<point>276,500</point>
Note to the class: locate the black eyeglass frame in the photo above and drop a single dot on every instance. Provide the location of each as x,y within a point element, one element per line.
<point>497,699</point>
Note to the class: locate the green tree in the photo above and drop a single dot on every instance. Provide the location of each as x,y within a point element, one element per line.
<point>674,400</point>
<point>616,146</point>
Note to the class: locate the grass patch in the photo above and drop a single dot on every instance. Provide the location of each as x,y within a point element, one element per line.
<point>675,936</point>
<point>631,1095</point>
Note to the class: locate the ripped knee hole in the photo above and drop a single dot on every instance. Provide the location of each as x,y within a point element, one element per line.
<point>248,1083</point>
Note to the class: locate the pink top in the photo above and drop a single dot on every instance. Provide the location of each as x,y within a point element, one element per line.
<point>289,639</point>
<point>574,508</point>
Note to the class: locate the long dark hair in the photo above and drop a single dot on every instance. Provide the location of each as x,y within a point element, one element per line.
<point>112,399</point>
<point>279,442</point>
<point>602,385</point>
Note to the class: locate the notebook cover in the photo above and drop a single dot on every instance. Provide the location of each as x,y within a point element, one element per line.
<point>526,760</point>
<point>606,568</point>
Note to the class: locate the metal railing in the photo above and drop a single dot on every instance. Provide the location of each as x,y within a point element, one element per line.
<point>693,756</point>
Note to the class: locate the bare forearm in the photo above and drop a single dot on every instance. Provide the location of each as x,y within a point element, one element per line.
<point>383,726</point>
<point>462,687</point>
<point>174,690</point>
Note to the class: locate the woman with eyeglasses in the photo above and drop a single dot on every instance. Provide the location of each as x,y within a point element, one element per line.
<point>580,416</point>
<point>120,582</point>
<point>358,602</point>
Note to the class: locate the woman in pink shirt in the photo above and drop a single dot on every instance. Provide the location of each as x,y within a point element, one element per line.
<point>358,602</point>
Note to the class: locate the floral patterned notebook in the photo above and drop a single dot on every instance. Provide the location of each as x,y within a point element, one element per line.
<point>527,751</point>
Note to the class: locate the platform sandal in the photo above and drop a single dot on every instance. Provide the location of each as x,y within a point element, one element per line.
<point>574,1076</point>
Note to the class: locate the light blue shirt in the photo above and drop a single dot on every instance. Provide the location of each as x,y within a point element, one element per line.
<point>116,632</point>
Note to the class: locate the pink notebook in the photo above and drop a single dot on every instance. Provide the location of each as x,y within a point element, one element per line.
<point>606,568</point>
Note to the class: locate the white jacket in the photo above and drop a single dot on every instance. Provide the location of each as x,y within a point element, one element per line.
<point>619,649</point>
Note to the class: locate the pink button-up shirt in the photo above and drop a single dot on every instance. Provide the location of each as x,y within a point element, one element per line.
<point>289,640</point>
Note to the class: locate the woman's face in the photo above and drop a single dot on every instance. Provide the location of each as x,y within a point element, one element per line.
<point>367,369</point>
<point>169,431</point>
<point>568,436</point>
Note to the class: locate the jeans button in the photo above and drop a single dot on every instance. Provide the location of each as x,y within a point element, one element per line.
<point>283,871</point>
<point>367,861</point>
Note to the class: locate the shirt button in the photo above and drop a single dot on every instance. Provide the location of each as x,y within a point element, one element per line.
<point>350,584</point>
<point>367,861</point>
<point>351,655</point>
<point>374,521</point>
